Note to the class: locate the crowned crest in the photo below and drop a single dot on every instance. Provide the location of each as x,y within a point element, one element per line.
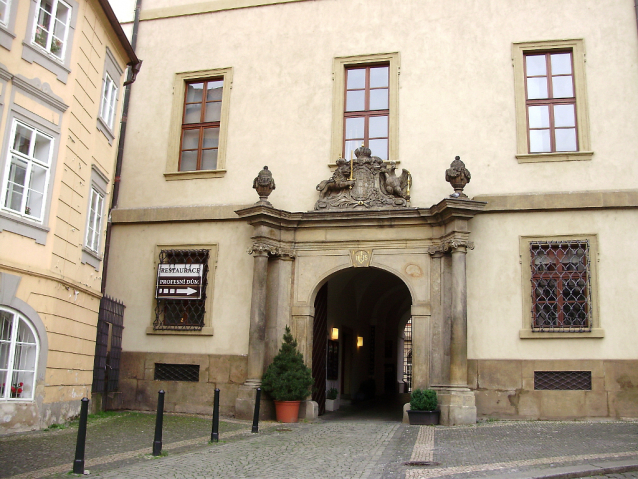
<point>365,182</point>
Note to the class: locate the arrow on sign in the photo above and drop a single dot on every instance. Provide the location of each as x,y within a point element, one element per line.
<point>187,291</point>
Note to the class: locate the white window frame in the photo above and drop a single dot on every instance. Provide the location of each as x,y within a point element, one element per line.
<point>49,32</point>
<point>28,390</point>
<point>109,99</point>
<point>7,12</point>
<point>31,161</point>
<point>94,221</point>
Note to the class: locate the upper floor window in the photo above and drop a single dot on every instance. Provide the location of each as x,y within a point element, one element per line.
<point>5,5</point>
<point>19,350</point>
<point>551,102</point>
<point>109,99</point>
<point>201,125</point>
<point>366,112</point>
<point>52,26</point>
<point>94,223</point>
<point>27,171</point>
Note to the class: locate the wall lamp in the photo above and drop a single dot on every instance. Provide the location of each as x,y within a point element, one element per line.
<point>359,341</point>
<point>334,334</point>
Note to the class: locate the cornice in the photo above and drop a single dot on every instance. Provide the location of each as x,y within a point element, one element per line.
<point>40,90</point>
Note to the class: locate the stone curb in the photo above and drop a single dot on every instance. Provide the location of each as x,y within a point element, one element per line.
<point>573,472</point>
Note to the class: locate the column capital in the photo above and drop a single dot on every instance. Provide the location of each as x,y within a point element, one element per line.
<point>261,249</point>
<point>450,246</point>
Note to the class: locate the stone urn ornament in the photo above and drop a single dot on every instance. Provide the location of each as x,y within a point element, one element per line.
<point>458,176</point>
<point>264,184</point>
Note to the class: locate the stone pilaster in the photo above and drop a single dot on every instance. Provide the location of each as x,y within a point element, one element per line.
<point>456,400</point>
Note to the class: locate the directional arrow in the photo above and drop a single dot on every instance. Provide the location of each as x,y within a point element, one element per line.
<point>187,291</point>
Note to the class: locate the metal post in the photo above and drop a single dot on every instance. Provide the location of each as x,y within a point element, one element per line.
<point>214,435</point>
<point>256,415</point>
<point>159,421</point>
<point>78,464</point>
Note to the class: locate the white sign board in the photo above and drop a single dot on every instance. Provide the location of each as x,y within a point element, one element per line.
<point>179,281</point>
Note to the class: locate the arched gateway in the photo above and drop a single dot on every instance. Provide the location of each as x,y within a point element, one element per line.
<point>419,249</point>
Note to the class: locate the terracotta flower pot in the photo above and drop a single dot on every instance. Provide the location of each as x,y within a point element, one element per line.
<point>287,411</point>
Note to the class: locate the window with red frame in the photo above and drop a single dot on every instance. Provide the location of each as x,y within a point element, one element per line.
<point>550,102</point>
<point>200,125</point>
<point>367,110</point>
<point>561,297</point>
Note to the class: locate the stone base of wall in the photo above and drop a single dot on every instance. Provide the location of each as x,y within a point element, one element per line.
<point>139,388</point>
<point>505,389</point>
<point>29,416</point>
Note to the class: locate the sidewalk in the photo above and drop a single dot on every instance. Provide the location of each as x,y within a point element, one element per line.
<point>342,445</point>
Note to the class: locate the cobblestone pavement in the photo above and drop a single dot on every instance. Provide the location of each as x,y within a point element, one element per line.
<point>341,445</point>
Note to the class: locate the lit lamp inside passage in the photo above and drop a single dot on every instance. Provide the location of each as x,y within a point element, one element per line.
<point>334,335</point>
<point>359,341</point>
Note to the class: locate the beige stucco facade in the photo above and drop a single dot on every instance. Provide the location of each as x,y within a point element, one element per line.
<point>455,87</point>
<point>50,274</point>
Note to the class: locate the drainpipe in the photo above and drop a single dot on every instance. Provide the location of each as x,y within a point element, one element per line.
<point>132,74</point>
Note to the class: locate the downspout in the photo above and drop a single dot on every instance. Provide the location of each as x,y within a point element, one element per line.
<point>132,74</point>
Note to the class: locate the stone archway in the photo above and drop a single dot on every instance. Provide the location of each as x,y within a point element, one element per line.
<point>295,253</point>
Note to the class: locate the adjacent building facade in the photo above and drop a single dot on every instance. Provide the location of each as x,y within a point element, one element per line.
<point>513,301</point>
<point>62,67</point>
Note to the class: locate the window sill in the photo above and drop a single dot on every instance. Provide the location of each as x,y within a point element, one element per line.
<point>91,257</point>
<point>34,54</point>
<point>106,131</point>
<point>595,333</point>
<point>194,175</point>
<point>562,156</point>
<point>23,227</point>
<point>176,332</point>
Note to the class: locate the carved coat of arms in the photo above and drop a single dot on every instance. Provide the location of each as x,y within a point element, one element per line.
<point>364,182</point>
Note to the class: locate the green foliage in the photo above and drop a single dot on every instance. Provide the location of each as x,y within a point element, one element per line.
<point>423,400</point>
<point>287,378</point>
<point>332,393</point>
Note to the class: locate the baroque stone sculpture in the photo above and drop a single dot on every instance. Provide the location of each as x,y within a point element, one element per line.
<point>264,184</point>
<point>458,176</point>
<point>364,182</point>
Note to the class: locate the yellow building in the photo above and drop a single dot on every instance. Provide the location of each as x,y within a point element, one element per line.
<point>514,303</point>
<point>62,65</point>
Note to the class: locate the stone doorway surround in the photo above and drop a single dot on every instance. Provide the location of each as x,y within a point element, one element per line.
<point>295,254</point>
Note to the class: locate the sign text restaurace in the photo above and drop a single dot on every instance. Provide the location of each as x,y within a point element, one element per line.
<point>179,281</point>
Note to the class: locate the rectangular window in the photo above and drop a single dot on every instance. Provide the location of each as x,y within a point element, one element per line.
<point>200,125</point>
<point>551,101</point>
<point>365,105</point>
<point>5,6</point>
<point>182,314</point>
<point>94,224</point>
<point>109,98</point>
<point>561,292</point>
<point>366,112</point>
<point>52,26</point>
<point>27,172</point>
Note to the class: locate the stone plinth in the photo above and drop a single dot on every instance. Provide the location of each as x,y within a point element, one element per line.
<point>245,404</point>
<point>457,405</point>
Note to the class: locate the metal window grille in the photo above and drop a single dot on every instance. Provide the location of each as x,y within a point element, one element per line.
<point>561,292</point>
<point>182,314</point>
<point>407,355</point>
<point>177,372</point>
<point>562,380</point>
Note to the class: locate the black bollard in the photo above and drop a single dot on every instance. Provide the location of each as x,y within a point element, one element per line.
<point>256,415</point>
<point>214,435</point>
<point>159,421</point>
<point>78,464</point>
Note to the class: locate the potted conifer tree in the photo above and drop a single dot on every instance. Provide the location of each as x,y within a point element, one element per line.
<point>423,403</point>
<point>287,380</point>
<point>332,399</point>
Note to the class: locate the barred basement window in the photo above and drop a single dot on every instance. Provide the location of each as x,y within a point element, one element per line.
<point>562,380</point>
<point>561,292</point>
<point>182,314</point>
<point>177,372</point>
